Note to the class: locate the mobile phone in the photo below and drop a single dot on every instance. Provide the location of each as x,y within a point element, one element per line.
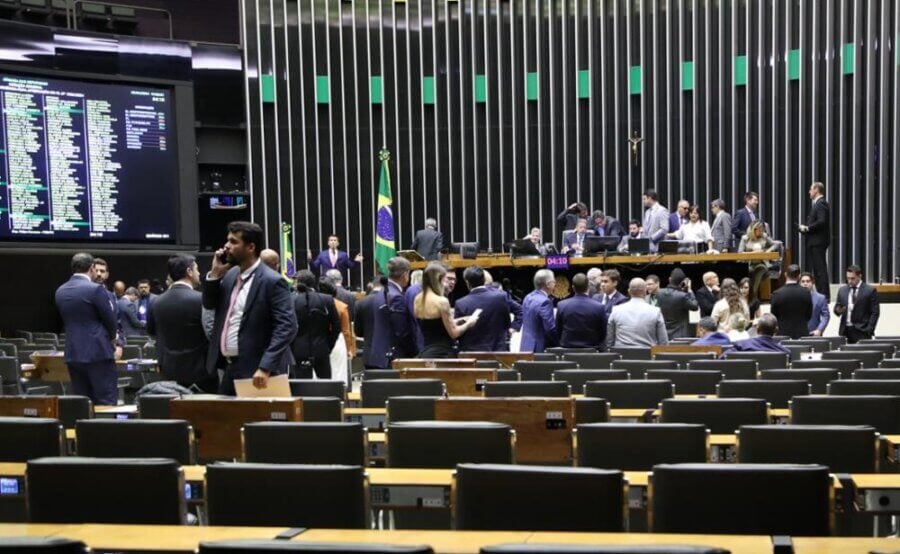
<point>223,258</point>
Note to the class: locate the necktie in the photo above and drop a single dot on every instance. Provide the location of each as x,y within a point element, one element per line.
<point>225,325</point>
<point>853,295</point>
<point>605,299</point>
<point>580,240</point>
<point>752,216</point>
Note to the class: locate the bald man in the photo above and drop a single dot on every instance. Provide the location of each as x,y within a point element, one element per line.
<point>636,323</point>
<point>271,259</point>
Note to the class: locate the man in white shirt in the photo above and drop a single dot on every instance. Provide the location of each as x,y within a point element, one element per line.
<point>255,321</point>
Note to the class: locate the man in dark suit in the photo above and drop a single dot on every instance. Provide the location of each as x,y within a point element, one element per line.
<point>818,237</point>
<point>581,321</point>
<point>574,242</point>
<point>609,295</point>
<point>570,216</point>
<point>792,304</point>
<point>175,321</point>
<point>745,216</point>
<point>144,299</point>
<point>429,241</point>
<point>604,225</point>
<point>333,258</point>
<point>708,294</point>
<point>89,320</point>
<point>764,341</point>
<point>130,324</point>
<point>254,322</point>
<point>318,327</point>
<point>709,335</point>
<point>857,306</point>
<point>538,324</point>
<point>364,321</point>
<point>676,302</point>
<point>343,294</point>
<point>491,333</point>
<point>680,216</point>
<point>393,336</point>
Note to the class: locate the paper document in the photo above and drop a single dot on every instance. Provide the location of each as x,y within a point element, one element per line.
<point>278,387</point>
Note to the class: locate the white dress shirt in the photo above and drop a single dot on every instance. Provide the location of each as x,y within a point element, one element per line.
<point>694,232</point>
<point>237,312</point>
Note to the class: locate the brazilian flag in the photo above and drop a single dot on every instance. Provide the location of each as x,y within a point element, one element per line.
<point>384,224</point>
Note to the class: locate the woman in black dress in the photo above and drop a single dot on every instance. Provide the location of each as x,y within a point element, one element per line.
<point>435,317</point>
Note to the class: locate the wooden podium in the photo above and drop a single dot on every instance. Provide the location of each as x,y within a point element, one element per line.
<point>543,425</point>
<point>29,406</point>
<point>50,366</point>
<point>218,420</point>
<point>458,382</point>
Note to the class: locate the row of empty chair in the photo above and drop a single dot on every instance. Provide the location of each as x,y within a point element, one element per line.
<point>443,444</point>
<point>684,498</point>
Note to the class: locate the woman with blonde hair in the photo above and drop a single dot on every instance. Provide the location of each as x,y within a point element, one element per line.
<point>736,327</point>
<point>756,240</point>
<point>730,303</point>
<point>432,311</point>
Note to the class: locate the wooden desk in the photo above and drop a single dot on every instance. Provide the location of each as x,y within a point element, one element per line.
<point>443,542</point>
<point>877,492</point>
<point>29,406</point>
<point>737,544</point>
<point>503,261</point>
<point>543,425</point>
<point>458,381</point>
<point>217,422</point>
<point>407,363</point>
<point>892,443</point>
<point>843,545</point>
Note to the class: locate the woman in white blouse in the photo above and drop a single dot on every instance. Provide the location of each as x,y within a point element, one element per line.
<point>695,230</point>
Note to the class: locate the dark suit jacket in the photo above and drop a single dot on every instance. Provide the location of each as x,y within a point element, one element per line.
<point>581,322</point>
<point>393,336</point>
<point>428,243</point>
<point>572,238</point>
<point>491,333</point>
<point>89,319</point>
<point>792,305</point>
<point>322,263</point>
<point>676,305</point>
<point>760,343</point>
<point>866,310</point>
<point>567,220</point>
<point>267,328</point>
<point>819,223</point>
<point>347,298</point>
<point>706,300</point>
<point>612,228</point>
<point>364,323</point>
<point>742,219</point>
<point>129,323</point>
<point>318,325</point>
<point>616,299</point>
<point>176,320</point>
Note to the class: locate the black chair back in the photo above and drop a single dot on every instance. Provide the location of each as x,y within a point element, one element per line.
<point>632,352</point>
<point>844,449</point>
<point>682,358</point>
<point>410,408</point>
<point>288,495</point>
<point>777,393</point>
<point>27,438</point>
<point>541,371</point>
<point>880,412</point>
<point>514,389</point>
<point>154,406</point>
<point>688,381</point>
<point>370,374</point>
<point>374,393</point>
<point>883,374</point>
<point>591,410</point>
<point>72,408</point>
<point>322,409</point>
<point>42,545</point>
<point>637,369</point>
<point>858,387</point>
<point>507,375</point>
<point>868,358</point>
<point>764,360</point>
<point>595,360</point>
<point>631,394</point>
<point>105,490</point>
<point>318,387</point>
<point>640,446</point>
<point>444,444</point>
<point>12,378</point>
<point>844,367</point>
<point>719,415</point>
<point>814,344</point>
<point>730,369</point>
<point>889,363</point>
<point>562,351</point>
<point>747,499</point>
<point>254,546</point>
<point>886,348</point>
<point>537,498</point>
<point>136,438</point>
<point>270,442</point>
<point>817,378</point>
<point>797,350</point>
<point>578,377</point>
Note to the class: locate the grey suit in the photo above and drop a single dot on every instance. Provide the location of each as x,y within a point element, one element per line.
<point>721,230</point>
<point>676,306</point>
<point>428,243</point>
<point>636,323</point>
<point>656,223</point>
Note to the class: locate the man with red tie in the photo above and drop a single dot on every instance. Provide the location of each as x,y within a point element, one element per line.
<point>333,258</point>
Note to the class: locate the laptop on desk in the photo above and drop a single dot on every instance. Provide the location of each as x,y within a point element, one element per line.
<point>638,246</point>
<point>521,248</point>
<point>594,245</point>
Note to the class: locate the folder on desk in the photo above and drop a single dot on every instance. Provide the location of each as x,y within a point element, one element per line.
<point>277,387</point>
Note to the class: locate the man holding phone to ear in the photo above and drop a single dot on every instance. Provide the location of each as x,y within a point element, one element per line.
<point>254,320</point>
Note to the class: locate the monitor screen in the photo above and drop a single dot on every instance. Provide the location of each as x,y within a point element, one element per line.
<point>87,161</point>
